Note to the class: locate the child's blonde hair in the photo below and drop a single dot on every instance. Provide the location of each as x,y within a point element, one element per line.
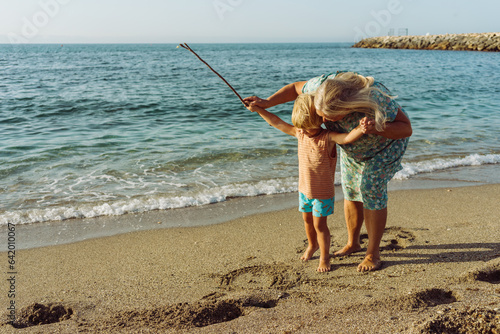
<point>347,93</point>
<point>303,115</point>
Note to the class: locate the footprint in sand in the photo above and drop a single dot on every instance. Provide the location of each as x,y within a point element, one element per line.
<point>418,300</point>
<point>180,316</point>
<point>429,298</point>
<point>40,314</point>
<point>475,320</point>
<point>396,238</point>
<point>490,273</point>
<point>276,276</point>
<point>211,309</point>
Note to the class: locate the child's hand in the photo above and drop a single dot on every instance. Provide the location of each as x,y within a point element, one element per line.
<point>255,100</point>
<point>367,125</point>
<point>253,108</point>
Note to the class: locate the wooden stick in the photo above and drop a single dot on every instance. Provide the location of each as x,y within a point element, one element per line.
<point>185,46</point>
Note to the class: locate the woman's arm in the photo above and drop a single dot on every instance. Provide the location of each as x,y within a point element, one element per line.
<point>397,129</point>
<point>285,94</point>
<point>274,120</point>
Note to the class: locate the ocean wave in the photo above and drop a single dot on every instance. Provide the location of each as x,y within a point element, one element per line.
<point>138,205</point>
<point>415,168</point>
<point>216,194</point>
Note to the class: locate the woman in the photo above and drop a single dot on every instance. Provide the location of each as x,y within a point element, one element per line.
<point>368,164</point>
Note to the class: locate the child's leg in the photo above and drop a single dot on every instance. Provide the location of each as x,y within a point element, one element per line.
<point>312,238</point>
<point>323,237</point>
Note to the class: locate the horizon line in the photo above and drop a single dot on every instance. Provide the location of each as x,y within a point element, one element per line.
<point>165,43</point>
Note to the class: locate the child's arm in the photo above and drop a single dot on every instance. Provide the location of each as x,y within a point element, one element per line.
<point>274,120</point>
<point>347,138</point>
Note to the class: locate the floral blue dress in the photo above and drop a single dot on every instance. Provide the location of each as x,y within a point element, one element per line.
<point>368,164</point>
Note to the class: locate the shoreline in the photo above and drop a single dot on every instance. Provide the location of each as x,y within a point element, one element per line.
<point>441,263</point>
<point>458,42</point>
<point>75,230</point>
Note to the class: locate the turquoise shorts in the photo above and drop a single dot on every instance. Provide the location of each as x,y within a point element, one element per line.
<point>318,207</point>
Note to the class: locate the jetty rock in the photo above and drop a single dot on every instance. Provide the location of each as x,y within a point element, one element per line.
<point>463,42</point>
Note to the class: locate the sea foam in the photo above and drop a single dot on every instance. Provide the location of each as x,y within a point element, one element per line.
<point>415,168</point>
<point>216,194</point>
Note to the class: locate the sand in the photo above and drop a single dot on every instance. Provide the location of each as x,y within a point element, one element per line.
<point>441,274</point>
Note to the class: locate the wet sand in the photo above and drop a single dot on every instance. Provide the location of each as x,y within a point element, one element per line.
<point>441,273</point>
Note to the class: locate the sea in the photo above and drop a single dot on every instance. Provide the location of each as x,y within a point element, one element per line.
<point>114,129</point>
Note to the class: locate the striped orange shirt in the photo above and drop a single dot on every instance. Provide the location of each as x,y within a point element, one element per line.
<point>316,165</point>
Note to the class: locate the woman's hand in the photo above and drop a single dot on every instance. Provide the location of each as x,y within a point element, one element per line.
<point>367,125</point>
<point>256,101</point>
<point>399,128</point>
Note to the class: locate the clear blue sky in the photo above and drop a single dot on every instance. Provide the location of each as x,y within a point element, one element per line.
<point>218,21</point>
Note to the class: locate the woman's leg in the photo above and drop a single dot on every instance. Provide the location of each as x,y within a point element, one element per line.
<point>353,212</point>
<point>312,238</point>
<point>375,221</point>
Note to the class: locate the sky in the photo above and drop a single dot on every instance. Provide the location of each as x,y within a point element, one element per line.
<point>237,21</point>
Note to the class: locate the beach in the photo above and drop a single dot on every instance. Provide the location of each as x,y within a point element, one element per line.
<point>440,273</point>
<point>138,195</point>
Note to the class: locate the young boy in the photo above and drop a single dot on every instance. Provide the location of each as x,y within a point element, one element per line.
<point>317,162</point>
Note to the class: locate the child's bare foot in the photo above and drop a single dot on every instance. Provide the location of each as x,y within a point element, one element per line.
<point>324,266</point>
<point>308,254</point>
<point>347,250</point>
<point>370,263</point>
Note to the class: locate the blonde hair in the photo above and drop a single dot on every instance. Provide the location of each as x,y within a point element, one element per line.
<point>347,93</point>
<point>303,115</point>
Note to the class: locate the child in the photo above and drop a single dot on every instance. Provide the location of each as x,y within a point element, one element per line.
<point>317,162</point>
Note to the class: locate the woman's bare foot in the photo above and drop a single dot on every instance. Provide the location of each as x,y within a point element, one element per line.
<point>324,266</point>
<point>308,254</point>
<point>370,263</point>
<point>347,250</point>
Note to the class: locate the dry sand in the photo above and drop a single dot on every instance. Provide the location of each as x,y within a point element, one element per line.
<point>441,274</point>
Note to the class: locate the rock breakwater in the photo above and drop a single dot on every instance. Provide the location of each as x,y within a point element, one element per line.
<point>463,42</point>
